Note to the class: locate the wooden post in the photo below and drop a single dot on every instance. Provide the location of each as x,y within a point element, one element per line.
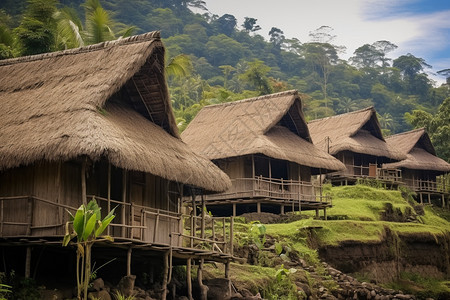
<point>189,279</point>
<point>129,261</point>
<point>224,235</point>
<point>165,275</point>
<point>213,229</point>
<point>227,269</point>
<point>60,211</point>
<point>421,199</point>
<point>317,213</point>
<point>108,229</point>
<point>234,209</point>
<point>155,232</point>
<point>203,288</point>
<point>258,207</point>
<point>124,200</point>
<point>443,201</point>
<point>193,219</point>
<point>1,217</point>
<point>325,213</point>
<point>231,235</point>
<point>28,263</point>
<point>203,217</point>
<point>282,209</point>
<point>429,198</point>
<point>83,181</point>
<point>29,215</point>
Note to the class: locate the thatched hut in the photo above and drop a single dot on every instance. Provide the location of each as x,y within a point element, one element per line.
<point>355,139</point>
<point>264,145</point>
<point>422,171</point>
<point>96,122</point>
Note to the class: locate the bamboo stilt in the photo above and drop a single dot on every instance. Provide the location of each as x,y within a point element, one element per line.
<point>28,263</point>
<point>189,279</point>
<point>165,274</point>
<point>129,261</point>
<point>227,269</point>
<point>203,288</point>
<point>124,200</point>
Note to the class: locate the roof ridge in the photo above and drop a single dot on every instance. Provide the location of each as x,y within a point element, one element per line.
<point>99,46</point>
<point>293,92</point>
<point>344,114</point>
<point>406,132</point>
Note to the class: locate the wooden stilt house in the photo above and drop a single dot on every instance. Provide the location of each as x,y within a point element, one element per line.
<point>422,171</point>
<point>355,139</point>
<point>97,122</point>
<point>264,145</point>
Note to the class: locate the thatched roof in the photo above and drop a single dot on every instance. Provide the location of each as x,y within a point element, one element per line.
<point>357,131</point>
<point>106,100</point>
<point>272,125</point>
<point>419,151</point>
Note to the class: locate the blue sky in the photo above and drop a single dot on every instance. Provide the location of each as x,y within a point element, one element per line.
<point>419,27</point>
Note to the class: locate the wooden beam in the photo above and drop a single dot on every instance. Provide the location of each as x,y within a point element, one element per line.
<point>188,278</point>
<point>227,269</point>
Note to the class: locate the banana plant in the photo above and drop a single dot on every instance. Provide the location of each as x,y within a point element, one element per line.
<point>87,227</point>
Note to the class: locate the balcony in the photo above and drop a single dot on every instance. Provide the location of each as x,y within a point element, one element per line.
<point>272,189</point>
<point>389,175</point>
<point>417,185</point>
<point>33,218</point>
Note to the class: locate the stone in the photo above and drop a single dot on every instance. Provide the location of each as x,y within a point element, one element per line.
<point>98,284</point>
<point>126,285</point>
<point>219,288</point>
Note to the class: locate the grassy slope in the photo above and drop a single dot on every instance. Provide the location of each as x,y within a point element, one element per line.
<point>361,207</point>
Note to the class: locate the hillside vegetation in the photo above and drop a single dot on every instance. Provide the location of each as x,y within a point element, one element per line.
<point>362,218</point>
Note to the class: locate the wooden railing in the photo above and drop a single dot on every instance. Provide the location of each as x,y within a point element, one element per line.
<point>287,190</point>
<point>371,171</point>
<point>418,185</point>
<point>45,218</point>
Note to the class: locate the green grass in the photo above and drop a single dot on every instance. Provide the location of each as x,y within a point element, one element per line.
<point>363,206</point>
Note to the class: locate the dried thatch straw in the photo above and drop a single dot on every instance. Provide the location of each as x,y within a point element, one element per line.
<point>357,131</point>
<point>419,151</point>
<point>272,125</point>
<point>106,100</point>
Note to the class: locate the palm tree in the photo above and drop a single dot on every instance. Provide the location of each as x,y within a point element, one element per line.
<point>347,105</point>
